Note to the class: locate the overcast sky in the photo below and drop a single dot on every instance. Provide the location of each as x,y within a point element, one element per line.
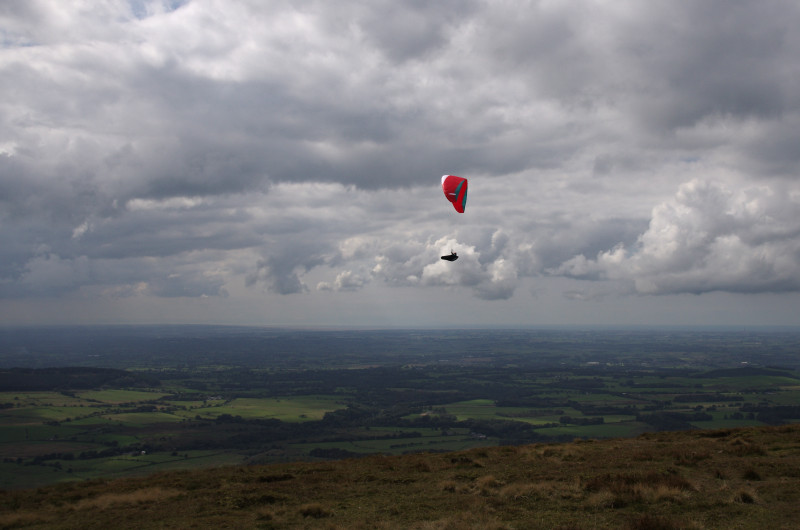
<point>279,162</point>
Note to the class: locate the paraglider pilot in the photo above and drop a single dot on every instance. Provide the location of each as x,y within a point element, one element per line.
<point>451,257</point>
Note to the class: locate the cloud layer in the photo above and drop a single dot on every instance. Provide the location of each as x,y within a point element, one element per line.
<point>223,149</point>
<point>708,238</point>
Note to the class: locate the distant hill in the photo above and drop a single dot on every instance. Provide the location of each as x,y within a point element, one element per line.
<point>748,371</point>
<point>67,377</point>
<point>733,478</point>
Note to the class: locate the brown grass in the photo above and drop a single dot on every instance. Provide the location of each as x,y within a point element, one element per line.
<point>745,497</point>
<point>463,522</point>
<point>487,483</point>
<point>314,510</point>
<point>139,496</point>
<point>21,519</point>
<point>747,479</point>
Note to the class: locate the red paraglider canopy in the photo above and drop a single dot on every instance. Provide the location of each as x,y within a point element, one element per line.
<point>455,189</point>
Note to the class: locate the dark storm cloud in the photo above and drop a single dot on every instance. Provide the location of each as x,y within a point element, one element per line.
<point>281,269</point>
<point>663,66</point>
<point>412,29</point>
<point>49,275</point>
<point>718,59</point>
<point>559,243</point>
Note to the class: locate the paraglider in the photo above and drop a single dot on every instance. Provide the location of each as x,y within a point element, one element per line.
<point>455,189</point>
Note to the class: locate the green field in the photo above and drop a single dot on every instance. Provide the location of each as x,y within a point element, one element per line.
<point>290,409</point>
<point>612,430</point>
<point>117,396</point>
<point>331,395</point>
<point>136,419</point>
<point>425,440</point>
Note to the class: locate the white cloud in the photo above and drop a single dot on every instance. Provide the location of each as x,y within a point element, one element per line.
<point>710,237</point>
<point>345,281</point>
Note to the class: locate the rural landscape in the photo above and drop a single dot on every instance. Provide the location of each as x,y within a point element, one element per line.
<point>88,403</point>
<point>399,265</point>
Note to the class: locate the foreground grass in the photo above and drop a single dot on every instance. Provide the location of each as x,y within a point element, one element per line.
<point>737,478</point>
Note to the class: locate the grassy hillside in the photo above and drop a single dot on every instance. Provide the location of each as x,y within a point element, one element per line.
<point>735,478</point>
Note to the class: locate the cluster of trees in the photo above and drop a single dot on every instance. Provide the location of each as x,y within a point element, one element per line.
<point>715,397</point>
<point>673,421</point>
<point>349,424</point>
<point>71,378</point>
<point>88,455</point>
<point>597,420</point>
<point>773,415</point>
